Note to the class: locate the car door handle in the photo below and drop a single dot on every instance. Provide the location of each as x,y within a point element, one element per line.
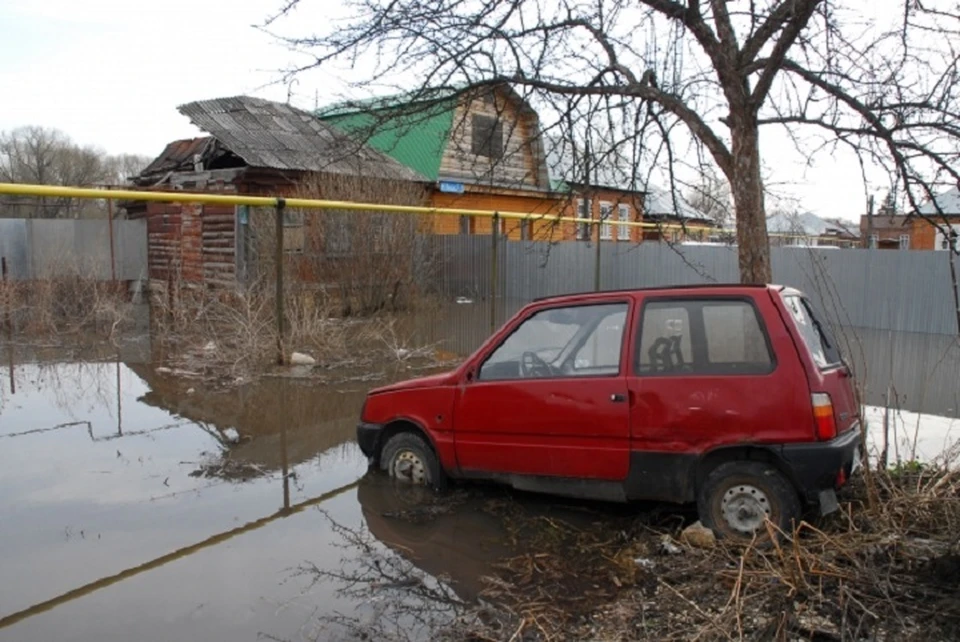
<point>618,398</point>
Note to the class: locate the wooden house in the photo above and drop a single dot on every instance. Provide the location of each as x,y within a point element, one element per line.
<point>479,149</point>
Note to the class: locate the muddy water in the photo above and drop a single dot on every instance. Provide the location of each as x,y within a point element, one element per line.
<point>138,506</point>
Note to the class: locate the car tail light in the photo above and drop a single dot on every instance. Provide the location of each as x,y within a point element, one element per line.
<point>823,415</point>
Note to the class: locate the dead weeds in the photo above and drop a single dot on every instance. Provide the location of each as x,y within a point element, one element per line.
<point>890,572</point>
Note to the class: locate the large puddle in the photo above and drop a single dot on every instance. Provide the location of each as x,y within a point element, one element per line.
<point>135,507</point>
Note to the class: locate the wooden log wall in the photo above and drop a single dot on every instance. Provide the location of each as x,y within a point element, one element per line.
<point>191,243</point>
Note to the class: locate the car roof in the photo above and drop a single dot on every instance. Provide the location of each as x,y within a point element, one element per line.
<point>699,287</point>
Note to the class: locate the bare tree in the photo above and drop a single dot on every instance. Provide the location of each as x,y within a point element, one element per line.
<point>122,168</point>
<point>45,156</point>
<point>709,72</point>
<point>710,194</point>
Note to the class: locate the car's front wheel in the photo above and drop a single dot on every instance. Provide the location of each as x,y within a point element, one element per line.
<point>406,457</point>
<point>738,497</point>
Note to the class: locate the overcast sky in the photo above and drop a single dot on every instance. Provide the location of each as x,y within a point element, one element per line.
<point>111,73</point>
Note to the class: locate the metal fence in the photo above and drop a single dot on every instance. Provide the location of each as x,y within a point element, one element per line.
<point>36,249</point>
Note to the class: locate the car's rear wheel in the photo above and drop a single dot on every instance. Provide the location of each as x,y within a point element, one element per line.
<point>407,458</point>
<point>738,497</point>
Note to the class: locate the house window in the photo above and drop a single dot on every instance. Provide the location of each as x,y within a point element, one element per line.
<point>904,241</point>
<point>874,241</point>
<point>526,225</point>
<point>338,239</point>
<point>464,225</point>
<point>948,241</point>
<point>487,136</point>
<point>584,209</point>
<point>623,232</point>
<point>606,229</point>
<point>293,231</point>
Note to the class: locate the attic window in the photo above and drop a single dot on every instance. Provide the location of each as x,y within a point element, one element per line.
<point>487,136</point>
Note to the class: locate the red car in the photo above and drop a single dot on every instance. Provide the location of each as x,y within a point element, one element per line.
<point>733,397</point>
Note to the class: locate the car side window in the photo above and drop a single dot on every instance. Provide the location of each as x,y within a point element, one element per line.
<point>665,343</point>
<point>702,337</point>
<point>571,341</point>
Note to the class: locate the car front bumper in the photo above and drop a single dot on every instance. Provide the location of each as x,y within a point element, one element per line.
<point>368,438</point>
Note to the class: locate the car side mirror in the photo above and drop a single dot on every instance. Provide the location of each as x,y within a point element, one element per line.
<point>469,376</point>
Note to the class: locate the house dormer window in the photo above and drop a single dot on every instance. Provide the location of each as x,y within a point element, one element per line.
<point>487,136</point>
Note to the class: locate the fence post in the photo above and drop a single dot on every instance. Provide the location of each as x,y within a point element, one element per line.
<point>494,233</point>
<point>7,296</point>
<point>952,257</point>
<point>596,267</point>
<point>113,259</point>
<point>278,295</point>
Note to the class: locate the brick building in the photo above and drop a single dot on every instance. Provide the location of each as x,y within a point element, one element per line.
<point>929,229</point>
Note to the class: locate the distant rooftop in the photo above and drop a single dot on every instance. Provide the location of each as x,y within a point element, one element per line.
<point>949,203</point>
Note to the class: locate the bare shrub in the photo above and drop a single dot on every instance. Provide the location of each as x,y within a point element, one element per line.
<point>66,299</point>
<point>236,330</point>
<point>367,261</point>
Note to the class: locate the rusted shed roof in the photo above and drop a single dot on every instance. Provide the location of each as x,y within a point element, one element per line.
<point>177,154</point>
<point>271,135</point>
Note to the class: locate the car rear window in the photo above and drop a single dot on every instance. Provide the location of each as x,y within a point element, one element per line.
<point>815,336</point>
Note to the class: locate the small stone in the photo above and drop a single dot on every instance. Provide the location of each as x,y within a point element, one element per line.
<point>644,562</point>
<point>699,536</point>
<point>301,359</point>
<point>669,547</point>
<point>190,391</point>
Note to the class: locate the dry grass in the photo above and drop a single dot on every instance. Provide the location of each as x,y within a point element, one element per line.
<point>888,573</point>
<point>234,333</point>
<point>67,303</point>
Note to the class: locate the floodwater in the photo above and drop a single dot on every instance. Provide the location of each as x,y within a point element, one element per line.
<point>135,507</point>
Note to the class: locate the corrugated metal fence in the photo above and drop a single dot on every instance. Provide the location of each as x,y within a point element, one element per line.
<point>883,290</point>
<point>36,248</point>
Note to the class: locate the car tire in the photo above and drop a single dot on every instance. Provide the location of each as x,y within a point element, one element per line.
<point>406,457</point>
<point>738,496</point>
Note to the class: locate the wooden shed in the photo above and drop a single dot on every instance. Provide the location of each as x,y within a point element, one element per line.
<point>255,147</point>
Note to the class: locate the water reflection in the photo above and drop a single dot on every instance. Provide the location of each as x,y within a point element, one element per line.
<point>102,509</point>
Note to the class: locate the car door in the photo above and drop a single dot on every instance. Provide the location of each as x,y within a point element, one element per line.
<point>706,373</point>
<point>551,398</point>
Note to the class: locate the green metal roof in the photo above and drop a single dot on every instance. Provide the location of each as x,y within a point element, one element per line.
<point>413,133</point>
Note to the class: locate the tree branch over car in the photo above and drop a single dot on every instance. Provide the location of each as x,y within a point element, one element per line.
<point>886,89</point>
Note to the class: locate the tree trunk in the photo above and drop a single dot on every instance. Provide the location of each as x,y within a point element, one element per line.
<point>747,188</point>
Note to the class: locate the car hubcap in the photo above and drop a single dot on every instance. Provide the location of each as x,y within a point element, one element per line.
<point>407,466</point>
<point>745,508</point>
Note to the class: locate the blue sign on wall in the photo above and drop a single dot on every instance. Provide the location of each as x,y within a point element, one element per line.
<point>451,187</point>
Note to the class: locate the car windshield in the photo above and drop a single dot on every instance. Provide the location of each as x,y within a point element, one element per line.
<point>548,336</point>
